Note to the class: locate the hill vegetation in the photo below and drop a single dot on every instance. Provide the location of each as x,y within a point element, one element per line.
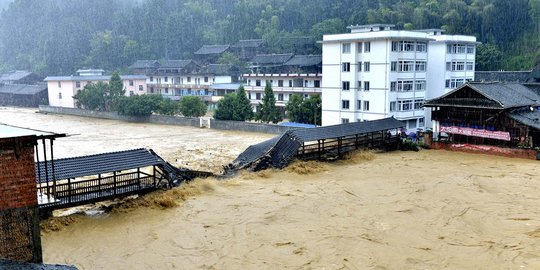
<point>53,37</point>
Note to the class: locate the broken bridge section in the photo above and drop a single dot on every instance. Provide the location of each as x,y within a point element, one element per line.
<point>80,180</point>
<point>322,143</point>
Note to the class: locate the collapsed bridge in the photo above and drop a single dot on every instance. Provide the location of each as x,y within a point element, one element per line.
<point>69,182</point>
<point>320,143</point>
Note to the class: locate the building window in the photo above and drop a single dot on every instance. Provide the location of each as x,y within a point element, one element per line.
<point>344,120</point>
<point>421,122</point>
<point>420,85</point>
<point>470,66</point>
<point>280,97</point>
<point>403,46</point>
<point>188,79</point>
<point>453,83</point>
<point>60,95</point>
<point>258,96</point>
<point>78,84</point>
<point>280,83</point>
<point>421,47</point>
<point>366,105</point>
<point>130,82</point>
<point>345,104</point>
<point>306,83</point>
<point>406,66</point>
<point>166,79</point>
<point>131,93</point>
<point>393,66</point>
<point>359,45</point>
<point>166,90</point>
<point>455,66</point>
<point>411,124</point>
<point>257,82</point>
<point>366,86</point>
<point>249,94</point>
<point>317,83</point>
<point>367,46</point>
<point>470,49</point>
<point>418,103</point>
<point>205,79</point>
<point>141,87</point>
<point>346,48</point>
<point>405,105</point>
<point>393,106</point>
<point>359,85</point>
<point>420,66</point>
<point>59,84</point>
<point>151,78</point>
<point>151,90</point>
<point>290,83</point>
<point>366,66</point>
<point>359,105</point>
<point>393,86</point>
<point>346,67</point>
<point>456,48</point>
<point>346,85</point>
<point>359,66</point>
<point>405,86</point>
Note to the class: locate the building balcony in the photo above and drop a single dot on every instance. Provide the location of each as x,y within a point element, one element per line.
<point>316,90</point>
<point>178,85</point>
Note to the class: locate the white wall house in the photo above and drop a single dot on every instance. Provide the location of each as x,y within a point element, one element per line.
<point>61,89</point>
<point>283,85</point>
<point>376,72</point>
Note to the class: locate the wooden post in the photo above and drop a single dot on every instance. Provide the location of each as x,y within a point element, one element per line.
<point>356,141</point>
<point>154,174</point>
<point>69,189</point>
<point>114,182</point>
<point>139,178</point>
<point>319,149</point>
<point>339,147</point>
<point>99,183</point>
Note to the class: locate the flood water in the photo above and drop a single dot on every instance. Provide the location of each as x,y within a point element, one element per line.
<point>400,210</point>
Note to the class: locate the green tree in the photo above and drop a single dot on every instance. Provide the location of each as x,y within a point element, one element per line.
<point>225,108</point>
<point>192,106</point>
<point>92,96</point>
<point>168,106</point>
<point>488,57</point>
<point>268,112</point>
<point>143,105</point>
<point>294,108</point>
<point>242,109</point>
<point>306,111</point>
<point>115,92</point>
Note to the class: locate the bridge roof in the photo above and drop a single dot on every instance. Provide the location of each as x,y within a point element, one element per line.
<point>98,164</point>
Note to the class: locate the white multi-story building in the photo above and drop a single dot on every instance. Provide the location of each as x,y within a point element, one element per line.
<point>376,72</point>
<point>283,84</point>
<point>61,89</point>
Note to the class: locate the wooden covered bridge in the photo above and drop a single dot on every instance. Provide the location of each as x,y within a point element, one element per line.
<point>81,180</point>
<point>322,143</point>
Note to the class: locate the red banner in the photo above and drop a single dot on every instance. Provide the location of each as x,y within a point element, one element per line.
<point>497,135</point>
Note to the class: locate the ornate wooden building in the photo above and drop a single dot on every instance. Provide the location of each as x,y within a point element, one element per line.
<point>497,114</point>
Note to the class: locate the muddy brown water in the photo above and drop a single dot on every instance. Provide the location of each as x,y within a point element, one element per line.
<point>399,210</point>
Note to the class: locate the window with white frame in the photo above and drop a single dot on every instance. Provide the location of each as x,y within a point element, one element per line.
<point>344,120</point>
<point>346,48</point>
<point>393,66</point>
<point>406,66</point>
<point>393,86</point>
<point>257,82</point>
<point>258,96</point>
<point>280,97</point>
<point>346,85</point>
<point>405,105</point>
<point>455,66</point>
<point>366,86</point>
<point>317,83</point>
<point>359,66</point>
<point>60,95</point>
<point>421,122</point>
<point>367,46</point>
<point>141,87</point>
<point>421,46</point>
<point>346,67</point>
<point>470,66</point>
<point>393,105</point>
<point>359,104</point>
<point>366,66</point>
<point>405,86</point>
<point>456,48</point>
<point>418,103</point>
<point>453,83</point>
<point>359,45</point>
<point>420,66</point>
<point>345,104</point>
<point>359,86</point>
<point>280,83</point>
<point>470,49</point>
<point>366,105</point>
<point>420,85</point>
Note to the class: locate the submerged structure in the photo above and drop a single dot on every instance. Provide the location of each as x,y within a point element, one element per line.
<point>318,143</point>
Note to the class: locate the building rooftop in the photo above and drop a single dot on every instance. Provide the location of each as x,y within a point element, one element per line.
<point>22,89</point>
<point>175,63</point>
<point>304,60</point>
<point>505,95</point>
<point>272,59</point>
<point>9,131</point>
<point>15,75</point>
<point>144,64</point>
<point>93,78</point>
<point>370,27</point>
<point>212,49</point>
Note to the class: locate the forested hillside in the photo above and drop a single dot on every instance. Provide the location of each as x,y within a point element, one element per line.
<point>54,37</point>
